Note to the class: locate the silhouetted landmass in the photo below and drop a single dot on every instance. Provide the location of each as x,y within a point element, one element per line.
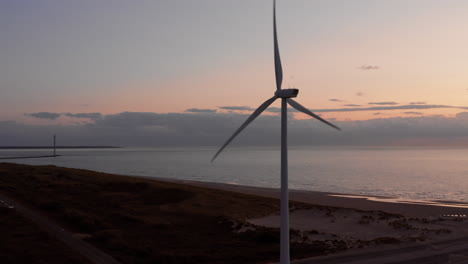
<point>146,221</point>
<point>29,157</point>
<point>57,147</point>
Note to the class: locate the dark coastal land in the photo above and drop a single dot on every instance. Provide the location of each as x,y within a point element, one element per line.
<point>45,147</point>
<point>57,147</point>
<point>141,220</point>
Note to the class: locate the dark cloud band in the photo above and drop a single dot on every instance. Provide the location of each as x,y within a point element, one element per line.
<point>93,116</point>
<point>236,108</point>
<point>44,115</point>
<point>206,129</point>
<point>198,110</point>
<point>383,103</point>
<point>368,67</point>
<point>375,108</point>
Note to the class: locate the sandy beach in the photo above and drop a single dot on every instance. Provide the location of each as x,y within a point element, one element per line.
<point>362,202</point>
<point>200,222</point>
<point>366,223</point>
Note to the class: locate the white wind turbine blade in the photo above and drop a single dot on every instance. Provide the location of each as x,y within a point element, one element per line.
<point>304,110</point>
<point>256,113</point>
<point>278,68</point>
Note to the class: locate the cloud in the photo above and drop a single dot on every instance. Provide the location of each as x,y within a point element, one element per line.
<point>335,100</point>
<point>351,105</point>
<point>368,67</point>
<point>92,116</point>
<point>462,115</point>
<point>236,108</point>
<point>417,103</point>
<point>205,129</point>
<point>413,113</point>
<point>44,115</point>
<point>273,109</point>
<point>133,119</point>
<point>375,108</point>
<point>198,110</point>
<point>383,103</point>
<point>54,116</point>
<point>381,108</point>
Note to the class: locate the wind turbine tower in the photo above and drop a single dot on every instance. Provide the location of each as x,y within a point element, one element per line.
<point>285,95</point>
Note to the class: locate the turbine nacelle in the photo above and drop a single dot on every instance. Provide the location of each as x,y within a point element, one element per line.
<point>287,93</point>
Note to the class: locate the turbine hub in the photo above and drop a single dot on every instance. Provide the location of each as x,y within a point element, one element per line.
<point>287,93</point>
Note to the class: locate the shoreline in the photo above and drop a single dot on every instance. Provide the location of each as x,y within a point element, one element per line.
<point>30,157</point>
<point>410,232</point>
<point>114,212</point>
<point>406,207</point>
<point>403,206</point>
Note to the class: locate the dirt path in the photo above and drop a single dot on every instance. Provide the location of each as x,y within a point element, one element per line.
<point>88,251</point>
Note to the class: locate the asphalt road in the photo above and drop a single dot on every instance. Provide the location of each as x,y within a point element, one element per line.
<point>88,251</point>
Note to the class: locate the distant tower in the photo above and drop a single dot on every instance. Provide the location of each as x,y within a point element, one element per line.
<point>54,145</point>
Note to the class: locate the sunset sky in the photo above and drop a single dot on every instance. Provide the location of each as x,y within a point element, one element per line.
<point>79,63</point>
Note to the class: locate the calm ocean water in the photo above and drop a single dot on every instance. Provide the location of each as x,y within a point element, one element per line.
<point>409,173</point>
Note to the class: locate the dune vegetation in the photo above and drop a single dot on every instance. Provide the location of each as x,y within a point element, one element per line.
<point>138,220</point>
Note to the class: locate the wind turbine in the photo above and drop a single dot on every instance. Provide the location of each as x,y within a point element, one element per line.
<point>285,95</point>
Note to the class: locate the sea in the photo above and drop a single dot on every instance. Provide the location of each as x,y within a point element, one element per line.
<point>416,174</point>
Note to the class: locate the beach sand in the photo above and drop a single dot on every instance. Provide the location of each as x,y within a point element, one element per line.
<point>409,208</point>
<point>148,220</point>
<point>368,224</point>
